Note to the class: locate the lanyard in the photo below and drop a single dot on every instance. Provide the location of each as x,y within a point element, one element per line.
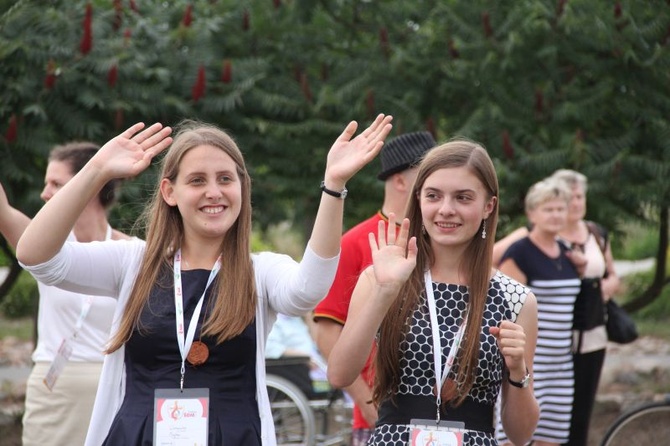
<point>440,375</point>
<point>85,307</point>
<point>185,344</point>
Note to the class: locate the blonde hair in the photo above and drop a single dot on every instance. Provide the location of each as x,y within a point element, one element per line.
<point>233,308</point>
<point>476,267</point>
<point>545,190</point>
<point>572,177</point>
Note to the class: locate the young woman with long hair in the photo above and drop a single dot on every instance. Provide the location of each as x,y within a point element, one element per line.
<point>433,289</point>
<point>186,358</point>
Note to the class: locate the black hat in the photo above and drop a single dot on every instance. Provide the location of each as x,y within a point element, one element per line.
<point>404,151</point>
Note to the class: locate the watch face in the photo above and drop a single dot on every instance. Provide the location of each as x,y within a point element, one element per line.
<point>344,193</point>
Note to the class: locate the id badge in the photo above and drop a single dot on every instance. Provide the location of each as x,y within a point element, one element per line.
<point>430,433</point>
<point>181,417</point>
<point>62,356</point>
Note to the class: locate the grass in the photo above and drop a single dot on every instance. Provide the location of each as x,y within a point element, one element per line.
<point>653,328</point>
<point>637,241</point>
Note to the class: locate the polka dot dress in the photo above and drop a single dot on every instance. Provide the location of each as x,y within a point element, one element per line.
<point>505,300</point>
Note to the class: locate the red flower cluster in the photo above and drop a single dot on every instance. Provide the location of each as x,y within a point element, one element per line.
<point>87,38</point>
<point>227,71</point>
<point>12,130</point>
<point>198,89</point>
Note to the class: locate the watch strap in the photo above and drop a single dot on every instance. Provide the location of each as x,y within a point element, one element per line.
<point>525,382</point>
<point>341,194</point>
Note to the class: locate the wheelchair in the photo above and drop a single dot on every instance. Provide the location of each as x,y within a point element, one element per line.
<point>305,409</point>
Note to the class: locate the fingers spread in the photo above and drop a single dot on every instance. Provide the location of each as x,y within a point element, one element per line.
<point>132,130</point>
<point>373,242</point>
<point>381,233</point>
<point>348,132</point>
<point>371,128</point>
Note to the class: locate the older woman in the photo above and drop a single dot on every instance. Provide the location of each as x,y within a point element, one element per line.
<point>540,261</point>
<point>589,335</point>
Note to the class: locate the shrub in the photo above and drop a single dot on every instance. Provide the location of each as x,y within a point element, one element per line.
<point>637,242</point>
<point>22,299</point>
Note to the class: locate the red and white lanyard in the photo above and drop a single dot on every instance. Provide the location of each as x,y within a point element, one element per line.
<point>440,375</point>
<point>185,344</point>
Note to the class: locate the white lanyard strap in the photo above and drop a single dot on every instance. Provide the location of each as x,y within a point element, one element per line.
<point>185,344</point>
<point>85,307</point>
<point>440,375</point>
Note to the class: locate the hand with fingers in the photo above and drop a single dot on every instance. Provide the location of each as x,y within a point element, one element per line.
<point>512,344</point>
<point>350,154</point>
<point>131,152</point>
<point>393,256</point>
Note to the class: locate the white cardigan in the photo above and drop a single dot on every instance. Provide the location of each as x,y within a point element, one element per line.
<point>109,269</point>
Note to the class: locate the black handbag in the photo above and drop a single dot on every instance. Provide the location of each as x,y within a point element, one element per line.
<point>589,309</point>
<point>620,326</point>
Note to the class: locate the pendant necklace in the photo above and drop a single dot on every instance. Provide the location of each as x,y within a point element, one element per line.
<point>199,352</point>
<point>196,352</point>
<point>558,263</point>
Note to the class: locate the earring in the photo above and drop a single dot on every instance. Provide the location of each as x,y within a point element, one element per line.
<point>484,229</point>
<point>423,229</point>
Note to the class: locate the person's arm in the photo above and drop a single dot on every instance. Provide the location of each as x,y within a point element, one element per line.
<point>346,157</point>
<point>511,269</point>
<point>327,334</point>
<point>123,156</point>
<point>610,285</point>
<point>501,245</point>
<point>394,258</point>
<point>12,221</point>
<point>519,411</point>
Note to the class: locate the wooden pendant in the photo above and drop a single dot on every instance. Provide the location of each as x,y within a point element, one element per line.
<point>198,353</point>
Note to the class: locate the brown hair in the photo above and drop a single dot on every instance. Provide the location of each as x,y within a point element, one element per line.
<point>235,304</point>
<point>76,155</point>
<point>476,266</point>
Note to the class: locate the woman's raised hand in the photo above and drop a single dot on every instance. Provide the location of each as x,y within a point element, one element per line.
<point>347,156</point>
<point>129,153</point>
<point>393,255</point>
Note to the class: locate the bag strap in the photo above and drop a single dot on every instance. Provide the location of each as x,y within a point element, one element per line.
<point>598,234</point>
<point>601,239</point>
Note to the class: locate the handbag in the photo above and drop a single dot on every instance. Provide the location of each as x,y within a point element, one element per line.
<point>620,326</point>
<point>589,309</point>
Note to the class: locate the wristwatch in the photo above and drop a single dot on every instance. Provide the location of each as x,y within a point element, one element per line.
<point>525,382</point>
<point>341,194</point>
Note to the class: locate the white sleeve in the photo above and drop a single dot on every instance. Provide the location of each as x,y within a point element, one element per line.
<point>95,268</point>
<point>294,288</point>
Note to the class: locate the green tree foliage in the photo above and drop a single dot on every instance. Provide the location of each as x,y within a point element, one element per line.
<point>544,84</point>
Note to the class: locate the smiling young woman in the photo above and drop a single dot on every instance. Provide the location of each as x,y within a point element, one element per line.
<point>194,304</point>
<point>452,334</point>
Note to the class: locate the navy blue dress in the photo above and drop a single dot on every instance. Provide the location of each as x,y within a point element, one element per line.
<point>152,361</point>
<point>555,283</point>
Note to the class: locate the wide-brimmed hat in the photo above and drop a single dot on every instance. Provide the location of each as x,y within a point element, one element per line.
<point>404,151</point>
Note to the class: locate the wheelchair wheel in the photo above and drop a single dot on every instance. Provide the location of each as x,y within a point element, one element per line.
<point>645,425</point>
<point>293,417</point>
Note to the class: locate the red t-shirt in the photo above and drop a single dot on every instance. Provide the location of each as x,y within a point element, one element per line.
<point>355,256</point>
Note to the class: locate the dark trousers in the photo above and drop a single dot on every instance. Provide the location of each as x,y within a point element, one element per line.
<point>587,376</point>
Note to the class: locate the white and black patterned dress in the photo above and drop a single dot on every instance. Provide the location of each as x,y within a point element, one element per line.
<point>415,396</point>
<point>555,283</point>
